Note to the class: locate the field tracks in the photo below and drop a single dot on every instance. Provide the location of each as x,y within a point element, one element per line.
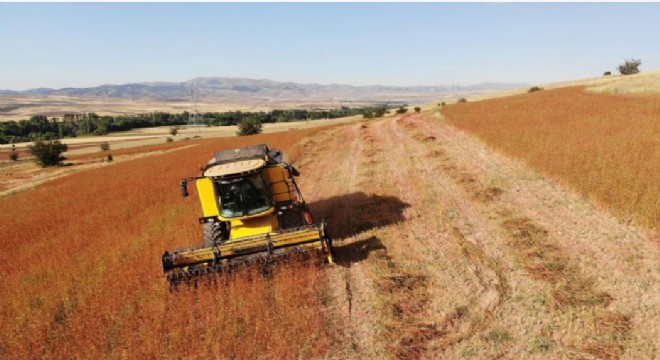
<point>373,233</point>
<point>564,246</point>
<point>448,249</point>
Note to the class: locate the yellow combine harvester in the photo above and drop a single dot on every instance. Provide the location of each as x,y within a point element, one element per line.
<point>252,210</point>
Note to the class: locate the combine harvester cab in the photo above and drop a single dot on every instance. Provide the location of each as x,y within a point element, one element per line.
<point>252,209</point>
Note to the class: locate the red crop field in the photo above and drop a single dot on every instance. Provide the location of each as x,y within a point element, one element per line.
<point>81,270</point>
<point>605,146</point>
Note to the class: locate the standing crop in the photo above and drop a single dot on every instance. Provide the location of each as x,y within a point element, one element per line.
<point>81,272</point>
<point>607,147</point>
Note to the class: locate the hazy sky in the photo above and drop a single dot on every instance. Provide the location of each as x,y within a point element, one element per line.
<point>78,45</point>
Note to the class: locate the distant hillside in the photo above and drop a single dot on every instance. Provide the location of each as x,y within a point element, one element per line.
<point>217,94</point>
<point>222,88</point>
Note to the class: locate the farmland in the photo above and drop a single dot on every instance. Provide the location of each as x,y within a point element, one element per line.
<point>71,283</point>
<point>84,152</point>
<point>605,147</point>
<point>444,248</point>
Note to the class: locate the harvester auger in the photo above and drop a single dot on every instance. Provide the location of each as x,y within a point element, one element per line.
<point>252,210</point>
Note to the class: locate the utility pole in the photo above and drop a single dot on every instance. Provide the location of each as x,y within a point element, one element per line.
<point>194,117</point>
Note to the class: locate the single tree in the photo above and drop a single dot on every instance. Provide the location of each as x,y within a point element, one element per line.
<point>418,109</point>
<point>249,127</point>
<point>607,73</point>
<point>379,112</point>
<point>462,100</point>
<point>535,88</point>
<point>630,66</point>
<point>13,154</point>
<point>48,153</point>
<point>174,130</point>
<point>401,110</point>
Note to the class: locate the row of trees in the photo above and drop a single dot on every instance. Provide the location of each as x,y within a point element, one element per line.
<point>40,127</point>
<point>236,117</point>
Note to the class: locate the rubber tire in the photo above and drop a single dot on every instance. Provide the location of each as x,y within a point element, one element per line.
<point>213,233</point>
<point>328,239</point>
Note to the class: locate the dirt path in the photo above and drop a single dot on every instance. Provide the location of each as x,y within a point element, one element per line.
<point>448,249</point>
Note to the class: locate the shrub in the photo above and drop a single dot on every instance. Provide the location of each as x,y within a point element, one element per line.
<point>169,139</point>
<point>13,154</point>
<point>402,110</point>
<point>105,146</point>
<point>418,109</point>
<point>534,88</point>
<point>174,130</point>
<point>374,112</point>
<point>462,100</point>
<point>249,127</point>
<point>630,66</point>
<point>607,73</point>
<point>498,335</point>
<point>542,344</point>
<point>109,158</point>
<point>48,153</point>
<point>379,112</point>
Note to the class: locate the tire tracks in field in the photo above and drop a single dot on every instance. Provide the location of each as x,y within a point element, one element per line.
<point>403,291</point>
<point>382,303</point>
<point>466,262</point>
<point>409,323</point>
<point>489,274</point>
<point>537,250</point>
<point>330,161</point>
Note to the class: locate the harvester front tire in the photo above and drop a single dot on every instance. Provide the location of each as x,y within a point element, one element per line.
<point>214,233</point>
<point>328,243</point>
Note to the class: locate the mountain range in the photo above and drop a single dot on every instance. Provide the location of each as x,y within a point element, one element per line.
<point>226,88</point>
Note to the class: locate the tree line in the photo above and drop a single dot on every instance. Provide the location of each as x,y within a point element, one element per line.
<point>40,127</point>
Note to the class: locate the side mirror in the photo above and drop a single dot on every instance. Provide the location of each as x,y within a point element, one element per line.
<point>184,188</point>
<point>294,171</point>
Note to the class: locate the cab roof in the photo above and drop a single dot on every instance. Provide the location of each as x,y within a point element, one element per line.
<point>244,153</point>
<point>240,167</point>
